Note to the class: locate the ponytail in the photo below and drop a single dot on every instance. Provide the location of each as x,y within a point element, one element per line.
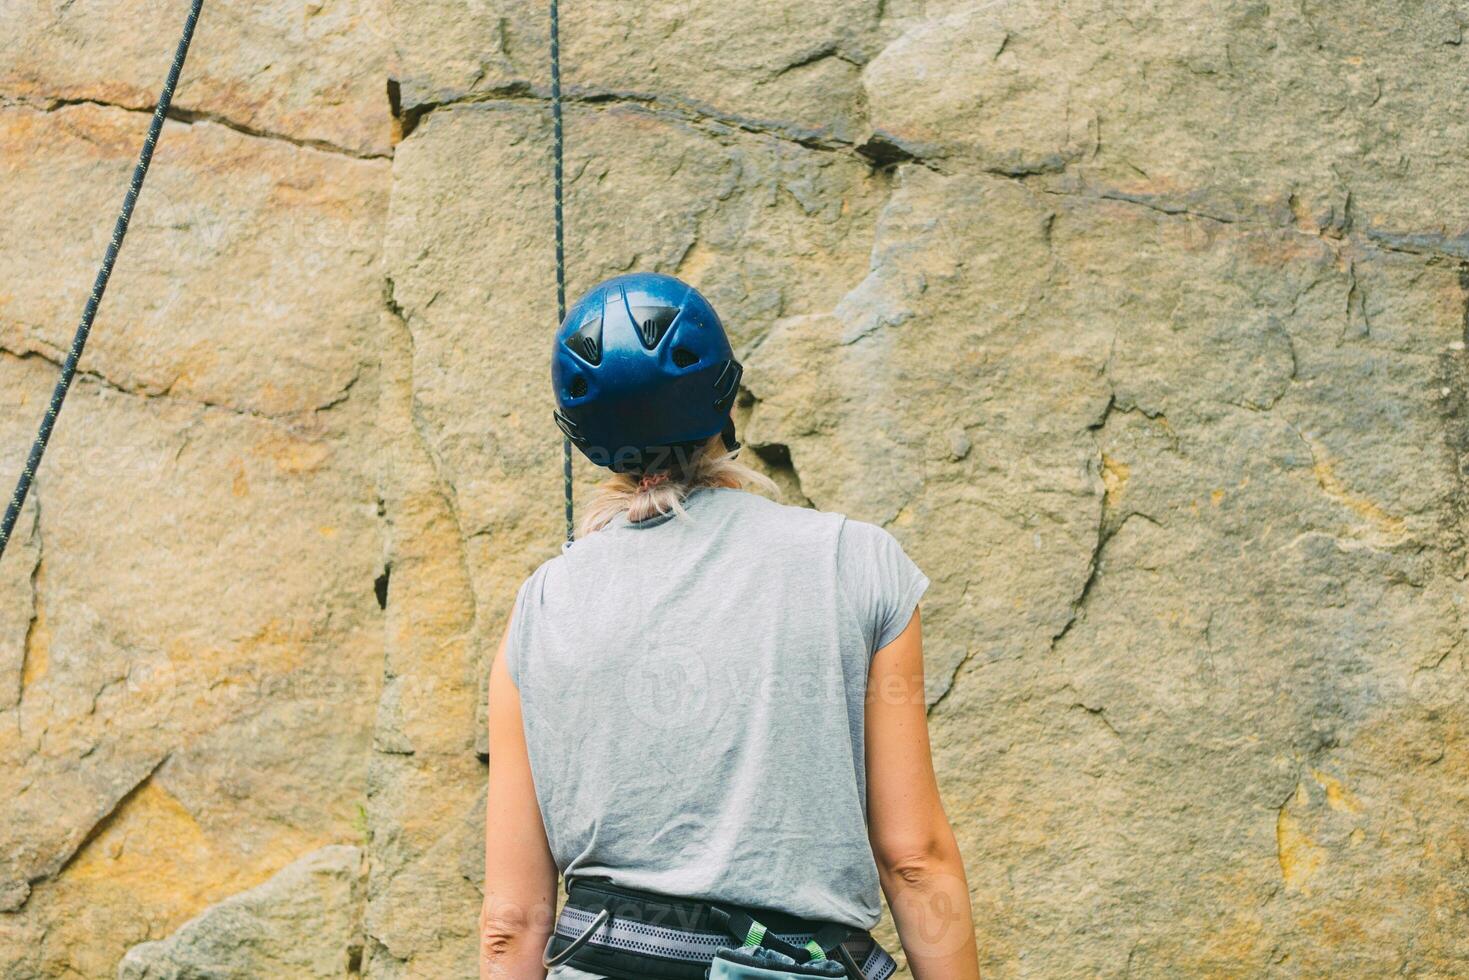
<point>642,497</point>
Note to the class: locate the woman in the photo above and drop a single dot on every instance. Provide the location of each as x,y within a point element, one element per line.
<point>707,713</point>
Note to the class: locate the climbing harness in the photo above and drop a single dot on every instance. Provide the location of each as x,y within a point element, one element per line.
<point>611,931</point>
<point>84,329</point>
<point>559,152</point>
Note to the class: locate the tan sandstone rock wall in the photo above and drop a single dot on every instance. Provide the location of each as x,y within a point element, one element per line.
<point>1141,324</point>
<point>192,648</point>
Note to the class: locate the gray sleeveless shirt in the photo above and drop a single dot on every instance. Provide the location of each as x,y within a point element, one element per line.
<point>692,691</point>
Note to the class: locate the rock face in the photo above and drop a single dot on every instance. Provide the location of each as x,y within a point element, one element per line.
<point>301,923</point>
<point>192,648</point>
<point>1142,325</point>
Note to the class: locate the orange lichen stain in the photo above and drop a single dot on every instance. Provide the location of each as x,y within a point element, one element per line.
<point>327,532</point>
<point>1276,250</point>
<point>213,673</point>
<point>152,861</point>
<point>196,362</point>
<point>695,262</point>
<point>1301,212</point>
<point>239,486</point>
<point>904,518</point>
<point>1174,619</point>
<point>1337,795</point>
<point>150,832</point>
<point>1300,857</point>
<point>293,455</point>
<point>1216,497</point>
<point>1115,474</point>
<point>304,192</point>
<point>1336,926</point>
<point>1157,185</point>
<point>1333,487</point>
<point>1233,934</point>
<point>86,131</point>
<point>277,646</point>
<point>273,394</point>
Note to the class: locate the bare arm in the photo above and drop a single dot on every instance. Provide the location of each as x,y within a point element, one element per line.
<point>520,877</point>
<point>917,857</point>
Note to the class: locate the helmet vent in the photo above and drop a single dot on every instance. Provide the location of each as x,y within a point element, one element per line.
<point>653,322</point>
<point>578,387</point>
<point>586,343</point>
<point>683,357</point>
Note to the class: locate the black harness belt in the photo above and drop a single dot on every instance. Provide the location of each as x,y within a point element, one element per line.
<point>624,934</point>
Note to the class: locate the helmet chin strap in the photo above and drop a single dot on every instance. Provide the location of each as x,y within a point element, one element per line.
<point>728,435</point>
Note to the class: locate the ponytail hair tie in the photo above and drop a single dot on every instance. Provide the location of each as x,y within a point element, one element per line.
<point>651,480</point>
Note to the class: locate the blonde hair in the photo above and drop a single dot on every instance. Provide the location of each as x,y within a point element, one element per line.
<point>625,493</point>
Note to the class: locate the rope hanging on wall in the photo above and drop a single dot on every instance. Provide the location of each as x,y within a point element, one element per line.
<point>560,235</point>
<point>84,328</point>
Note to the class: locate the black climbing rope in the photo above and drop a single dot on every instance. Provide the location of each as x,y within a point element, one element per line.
<point>560,235</point>
<point>79,341</point>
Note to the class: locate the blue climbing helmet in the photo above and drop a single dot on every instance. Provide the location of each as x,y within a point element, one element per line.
<point>643,373</point>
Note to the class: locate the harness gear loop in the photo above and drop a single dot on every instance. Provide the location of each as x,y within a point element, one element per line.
<point>827,943</point>
<point>551,962</point>
<point>89,313</point>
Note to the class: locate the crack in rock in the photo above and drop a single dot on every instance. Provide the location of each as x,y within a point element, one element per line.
<point>167,393</point>
<point>32,658</point>
<point>189,117</point>
<point>60,861</point>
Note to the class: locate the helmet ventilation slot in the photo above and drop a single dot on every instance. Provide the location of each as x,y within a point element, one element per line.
<point>653,322</point>
<point>586,343</point>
